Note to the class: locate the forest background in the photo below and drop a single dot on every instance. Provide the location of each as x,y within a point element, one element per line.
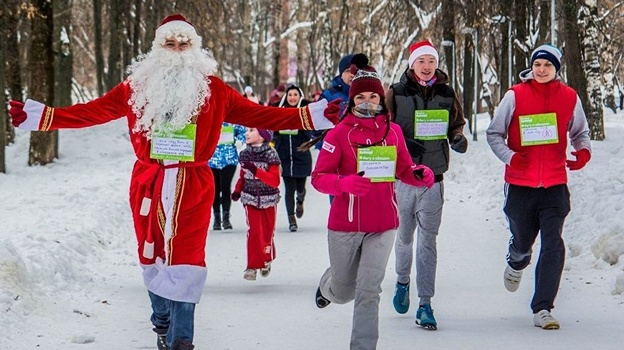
<point>66,51</point>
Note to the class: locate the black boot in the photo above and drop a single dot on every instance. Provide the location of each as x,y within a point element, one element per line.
<point>292,223</point>
<point>299,207</point>
<point>180,344</point>
<point>217,222</point>
<point>226,221</point>
<point>161,338</point>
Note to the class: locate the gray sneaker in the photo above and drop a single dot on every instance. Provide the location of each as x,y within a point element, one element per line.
<point>512,278</point>
<point>545,320</point>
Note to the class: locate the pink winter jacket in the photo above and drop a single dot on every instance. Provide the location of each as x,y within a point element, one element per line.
<point>377,210</point>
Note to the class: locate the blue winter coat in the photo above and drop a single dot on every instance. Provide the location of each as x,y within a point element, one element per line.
<point>227,154</point>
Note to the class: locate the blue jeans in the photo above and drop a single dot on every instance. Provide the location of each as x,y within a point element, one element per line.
<point>177,316</point>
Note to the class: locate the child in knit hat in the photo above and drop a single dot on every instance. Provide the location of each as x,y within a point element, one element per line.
<point>358,164</point>
<point>257,188</point>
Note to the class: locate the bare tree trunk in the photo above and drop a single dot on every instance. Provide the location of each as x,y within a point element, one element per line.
<point>544,21</point>
<point>115,57</point>
<point>63,62</point>
<point>326,43</point>
<point>99,44</point>
<point>136,28</point>
<point>506,76</point>
<point>4,116</point>
<point>41,86</point>
<point>589,35</point>
<point>469,73</point>
<point>12,58</point>
<point>448,39</point>
<point>521,50</point>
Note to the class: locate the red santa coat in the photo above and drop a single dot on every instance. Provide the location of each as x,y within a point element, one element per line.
<point>181,192</point>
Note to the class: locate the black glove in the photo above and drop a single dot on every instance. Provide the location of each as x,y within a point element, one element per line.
<point>235,196</point>
<point>459,144</point>
<point>415,148</point>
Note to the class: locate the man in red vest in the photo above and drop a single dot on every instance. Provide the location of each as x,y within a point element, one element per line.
<point>530,133</point>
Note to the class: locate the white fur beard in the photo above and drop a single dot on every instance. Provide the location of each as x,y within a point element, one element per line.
<point>169,88</point>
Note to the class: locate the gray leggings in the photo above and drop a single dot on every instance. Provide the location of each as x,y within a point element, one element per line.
<point>357,267</point>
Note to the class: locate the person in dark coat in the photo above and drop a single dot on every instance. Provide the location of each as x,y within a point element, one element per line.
<point>296,165</point>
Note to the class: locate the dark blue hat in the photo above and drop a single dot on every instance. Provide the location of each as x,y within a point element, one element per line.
<point>345,63</point>
<point>548,52</point>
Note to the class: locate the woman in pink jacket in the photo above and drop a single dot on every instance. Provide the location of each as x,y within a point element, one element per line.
<point>357,164</point>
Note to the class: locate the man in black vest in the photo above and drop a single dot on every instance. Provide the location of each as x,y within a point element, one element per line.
<point>431,117</point>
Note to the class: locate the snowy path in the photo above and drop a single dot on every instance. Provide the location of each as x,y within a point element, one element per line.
<point>473,309</point>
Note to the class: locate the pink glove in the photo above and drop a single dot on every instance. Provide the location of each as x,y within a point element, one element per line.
<point>519,161</point>
<point>582,157</point>
<point>424,174</point>
<point>18,116</point>
<point>355,184</point>
<point>332,111</point>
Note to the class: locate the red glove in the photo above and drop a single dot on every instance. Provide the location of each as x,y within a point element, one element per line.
<point>423,174</point>
<point>582,157</point>
<point>18,116</point>
<point>332,111</point>
<point>235,196</point>
<point>355,184</point>
<point>249,166</point>
<point>519,161</point>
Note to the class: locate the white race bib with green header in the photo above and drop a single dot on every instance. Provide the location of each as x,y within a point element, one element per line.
<point>538,129</point>
<point>431,124</point>
<point>288,132</point>
<point>179,145</point>
<point>377,162</point>
<point>227,135</point>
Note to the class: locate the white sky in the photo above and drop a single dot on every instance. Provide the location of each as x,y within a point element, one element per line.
<point>69,274</point>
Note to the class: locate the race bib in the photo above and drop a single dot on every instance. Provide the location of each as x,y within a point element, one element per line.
<point>288,132</point>
<point>179,145</point>
<point>227,135</point>
<point>538,129</point>
<point>431,124</point>
<point>377,162</point>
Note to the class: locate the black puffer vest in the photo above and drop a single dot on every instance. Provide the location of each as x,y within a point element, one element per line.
<point>409,96</point>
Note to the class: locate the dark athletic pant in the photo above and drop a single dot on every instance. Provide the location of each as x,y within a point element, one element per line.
<point>531,211</point>
<point>292,185</point>
<point>223,188</point>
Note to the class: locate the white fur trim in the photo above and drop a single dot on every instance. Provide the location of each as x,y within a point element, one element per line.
<point>173,28</point>
<point>34,111</point>
<point>175,282</point>
<point>423,50</point>
<point>317,111</point>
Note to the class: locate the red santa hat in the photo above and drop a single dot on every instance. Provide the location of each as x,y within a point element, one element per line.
<point>422,48</point>
<point>365,77</point>
<point>176,26</point>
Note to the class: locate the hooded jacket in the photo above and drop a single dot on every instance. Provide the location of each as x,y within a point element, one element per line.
<point>377,210</point>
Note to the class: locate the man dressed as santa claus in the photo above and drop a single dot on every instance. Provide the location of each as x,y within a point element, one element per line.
<point>175,108</point>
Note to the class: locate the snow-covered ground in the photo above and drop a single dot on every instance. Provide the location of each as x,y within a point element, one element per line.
<point>69,277</point>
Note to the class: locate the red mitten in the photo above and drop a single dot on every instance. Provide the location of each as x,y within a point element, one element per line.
<point>355,184</point>
<point>519,161</point>
<point>18,116</point>
<point>424,174</point>
<point>582,157</point>
<point>332,111</point>
<point>235,196</point>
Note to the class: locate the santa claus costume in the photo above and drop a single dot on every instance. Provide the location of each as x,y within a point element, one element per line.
<point>175,107</point>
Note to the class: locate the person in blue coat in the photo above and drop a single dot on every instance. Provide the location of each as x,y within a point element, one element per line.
<point>296,165</point>
<point>223,165</point>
